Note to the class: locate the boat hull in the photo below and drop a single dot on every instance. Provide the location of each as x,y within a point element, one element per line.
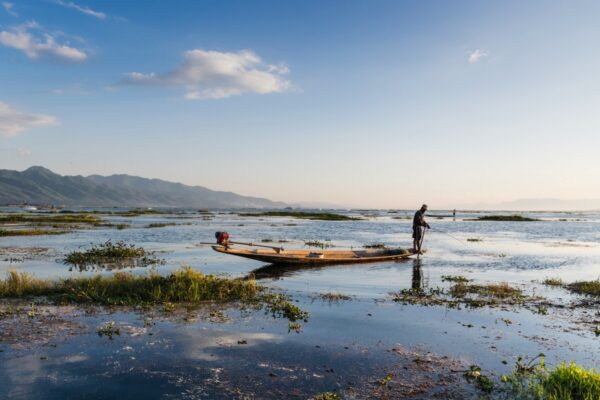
<point>307,257</point>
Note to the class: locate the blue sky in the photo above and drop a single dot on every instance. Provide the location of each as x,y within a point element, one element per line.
<point>374,104</point>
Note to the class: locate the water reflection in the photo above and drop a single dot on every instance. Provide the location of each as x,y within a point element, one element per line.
<point>417,275</point>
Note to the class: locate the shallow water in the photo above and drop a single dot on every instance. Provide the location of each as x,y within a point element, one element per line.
<point>203,359</point>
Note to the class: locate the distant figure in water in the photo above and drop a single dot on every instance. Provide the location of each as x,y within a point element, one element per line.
<point>454,214</point>
<point>419,226</point>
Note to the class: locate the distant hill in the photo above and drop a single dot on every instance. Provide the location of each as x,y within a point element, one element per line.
<point>541,204</point>
<point>40,186</point>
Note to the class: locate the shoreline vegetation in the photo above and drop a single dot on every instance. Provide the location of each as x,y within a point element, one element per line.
<point>183,287</point>
<point>513,218</point>
<point>321,216</point>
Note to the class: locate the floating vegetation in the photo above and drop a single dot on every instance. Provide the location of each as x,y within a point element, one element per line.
<point>49,219</point>
<point>280,305</point>
<point>316,243</point>
<point>108,330</point>
<point>302,215</point>
<point>455,278</point>
<point>473,374</point>
<point>111,252</point>
<point>266,240</point>
<point>516,218</point>
<point>375,246</point>
<point>30,232</point>
<point>589,288</point>
<point>126,213</point>
<point>334,297</point>
<point>552,282</point>
<point>160,225</point>
<point>474,239</point>
<point>469,295</point>
<point>533,380</point>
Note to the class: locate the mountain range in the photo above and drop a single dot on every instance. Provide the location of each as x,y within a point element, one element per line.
<point>40,186</point>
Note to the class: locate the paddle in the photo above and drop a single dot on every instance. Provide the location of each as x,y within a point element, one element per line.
<point>277,249</point>
<point>421,242</point>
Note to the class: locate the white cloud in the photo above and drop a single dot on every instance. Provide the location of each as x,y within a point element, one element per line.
<point>13,122</point>
<point>82,9</point>
<point>38,44</point>
<point>8,6</point>
<point>477,55</point>
<point>22,152</point>
<point>215,75</point>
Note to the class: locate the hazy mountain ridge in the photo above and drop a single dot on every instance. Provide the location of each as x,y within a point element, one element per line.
<point>40,186</point>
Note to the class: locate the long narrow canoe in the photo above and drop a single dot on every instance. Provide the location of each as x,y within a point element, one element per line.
<point>321,257</point>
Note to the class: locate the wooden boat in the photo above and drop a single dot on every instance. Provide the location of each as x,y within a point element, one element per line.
<point>313,257</point>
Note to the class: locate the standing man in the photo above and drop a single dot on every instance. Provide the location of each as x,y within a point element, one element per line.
<point>419,226</point>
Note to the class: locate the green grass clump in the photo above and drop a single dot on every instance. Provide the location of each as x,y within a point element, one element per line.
<point>302,215</point>
<point>30,232</point>
<point>185,286</point>
<point>565,382</point>
<point>552,282</point>
<point>491,290</point>
<point>516,218</point>
<point>590,288</point>
<point>455,278</point>
<point>159,225</point>
<point>108,251</point>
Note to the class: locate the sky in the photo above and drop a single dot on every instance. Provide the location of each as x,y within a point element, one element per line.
<point>383,104</point>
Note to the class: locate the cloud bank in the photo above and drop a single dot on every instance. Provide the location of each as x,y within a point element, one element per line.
<point>477,55</point>
<point>13,122</point>
<point>35,43</point>
<point>215,75</point>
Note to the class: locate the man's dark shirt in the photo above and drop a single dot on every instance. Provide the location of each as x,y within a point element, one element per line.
<point>419,219</point>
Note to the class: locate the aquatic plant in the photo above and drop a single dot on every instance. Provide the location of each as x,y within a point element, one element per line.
<point>160,225</point>
<point>108,330</point>
<point>48,219</point>
<point>280,305</point>
<point>590,288</point>
<point>534,381</point>
<point>473,374</point>
<point>469,295</point>
<point>455,278</point>
<point>30,232</point>
<point>474,240</point>
<point>109,251</point>
<point>334,297</point>
<point>552,282</point>
<point>185,286</point>
<point>515,218</point>
<point>323,216</point>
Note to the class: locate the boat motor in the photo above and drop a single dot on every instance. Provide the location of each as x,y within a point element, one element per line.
<point>222,238</point>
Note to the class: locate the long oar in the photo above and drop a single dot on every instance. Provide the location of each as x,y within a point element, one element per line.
<point>421,242</point>
<point>277,249</point>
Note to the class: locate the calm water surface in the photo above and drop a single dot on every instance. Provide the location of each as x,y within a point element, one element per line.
<point>352,338</point>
